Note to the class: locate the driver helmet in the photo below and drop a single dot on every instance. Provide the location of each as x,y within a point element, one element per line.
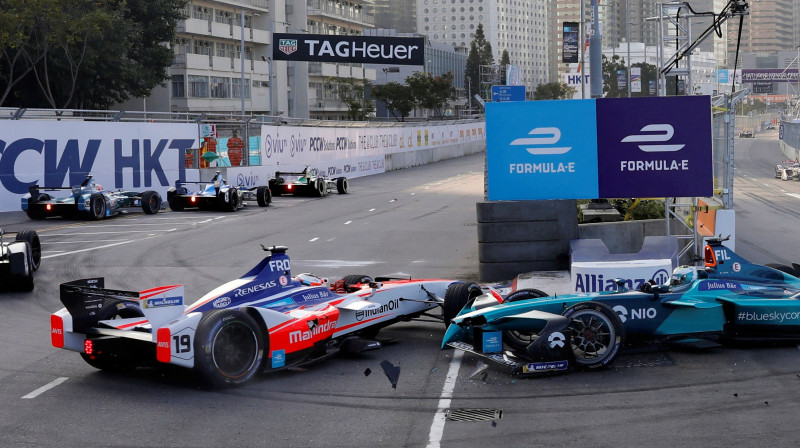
<point>308,279</point>
<point>98,187</point>
<point>683,275</point>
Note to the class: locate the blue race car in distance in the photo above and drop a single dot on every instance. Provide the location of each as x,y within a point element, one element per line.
<point>729,298</point>
<point>216,194</point>
<point>87,200</point>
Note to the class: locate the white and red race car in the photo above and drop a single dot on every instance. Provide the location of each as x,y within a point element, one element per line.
<point>264,321</point>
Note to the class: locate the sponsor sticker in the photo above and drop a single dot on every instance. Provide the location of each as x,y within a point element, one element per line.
<point>541,367</point>
<point>278,358</point>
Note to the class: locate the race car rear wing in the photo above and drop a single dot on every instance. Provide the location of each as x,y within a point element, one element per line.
<point>88,302</point>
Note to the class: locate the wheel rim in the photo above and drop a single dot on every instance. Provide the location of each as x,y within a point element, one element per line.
<point>98,207</point>
<point>36,251</point>
<point>235,350</point>
<point>592,335</point>
<point>154,205</point>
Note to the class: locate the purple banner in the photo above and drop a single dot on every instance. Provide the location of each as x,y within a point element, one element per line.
<point>654,147</point>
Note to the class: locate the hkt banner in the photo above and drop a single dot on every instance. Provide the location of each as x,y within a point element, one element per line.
<point>603,148</point>
<point>141,156</point>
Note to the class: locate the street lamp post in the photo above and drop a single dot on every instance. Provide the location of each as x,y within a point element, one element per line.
<point>241,49</point>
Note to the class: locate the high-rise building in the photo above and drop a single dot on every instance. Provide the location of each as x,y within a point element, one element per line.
<point>767,29</point>
<point>399,15</point>
<point>520,27</point>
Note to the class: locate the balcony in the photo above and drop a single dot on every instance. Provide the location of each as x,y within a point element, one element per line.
<point>324,9</point>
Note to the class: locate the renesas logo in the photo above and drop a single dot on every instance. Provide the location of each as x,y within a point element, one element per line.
<point>635,313</point>
<point>385,308</point>
<point>239,292</point>
<point>544,143</point>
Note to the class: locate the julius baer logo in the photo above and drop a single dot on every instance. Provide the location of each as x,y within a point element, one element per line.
<point>542,141</point>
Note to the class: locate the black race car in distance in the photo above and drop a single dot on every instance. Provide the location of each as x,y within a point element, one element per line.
<point>306,183</point>
<point>216,194</point>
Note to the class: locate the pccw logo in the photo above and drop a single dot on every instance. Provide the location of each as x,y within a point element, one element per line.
<point>287,46</point>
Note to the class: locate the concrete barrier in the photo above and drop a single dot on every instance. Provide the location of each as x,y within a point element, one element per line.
<point>398,161</point>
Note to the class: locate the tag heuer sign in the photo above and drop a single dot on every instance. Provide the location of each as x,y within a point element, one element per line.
<point>354,49</point>
<point>288,46</point>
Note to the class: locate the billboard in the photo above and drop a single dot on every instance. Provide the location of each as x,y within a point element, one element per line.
<point>508,93</point>
<point>569,49</point>
<point>599,148</point>
<point>354,49</point>
<point>769,74</point>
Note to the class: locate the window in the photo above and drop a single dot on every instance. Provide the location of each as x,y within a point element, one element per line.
<point>178,86</point>
<point>202,13</point>
<point>198,86</point>
<point>237,91</point>
<point>220,87</point>
<point>223,16</point>
<point>225,50</point>
<point>202,47</point>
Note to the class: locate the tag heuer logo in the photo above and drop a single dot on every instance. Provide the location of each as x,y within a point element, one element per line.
<point>287,46</point>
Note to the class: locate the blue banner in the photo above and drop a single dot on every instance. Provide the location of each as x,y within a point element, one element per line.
<point>603,148</point>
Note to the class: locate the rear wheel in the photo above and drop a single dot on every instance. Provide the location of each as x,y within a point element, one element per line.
<point>36,247</point>
<point>151,202</point>
<point>175,202</point>
<point>263,196</point>
<point>230,200</point>
<point>320,188</point>
<point>342,186</point>
<point>597,334</point>
<point>229,347</point>
<point>97,206</point>
<point>457,295</point>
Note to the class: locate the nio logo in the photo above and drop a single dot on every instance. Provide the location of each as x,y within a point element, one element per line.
<point>636,313</point>
<point>556,339</point>
<point>666,133</point>
<point>551,136</point>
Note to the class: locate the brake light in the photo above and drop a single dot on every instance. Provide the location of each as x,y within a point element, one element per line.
<point>49,207</point>
<point>289,187</point>
<point>88,347</point>
<point>710,257</point>
<point>163,349</point>
<point>193,199</point>
<point>57,331</point>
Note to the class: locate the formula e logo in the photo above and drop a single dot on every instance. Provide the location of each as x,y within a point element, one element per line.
<point>550,136</point>
<point>287,46</point>
<point>666,133</point>
<point>636,313</point>
<point>556,339</point>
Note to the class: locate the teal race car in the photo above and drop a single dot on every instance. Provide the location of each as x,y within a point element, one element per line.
<point>87,200</point>
<point>728,298</point>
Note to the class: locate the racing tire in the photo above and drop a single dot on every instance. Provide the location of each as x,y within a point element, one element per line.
<point>783,268</point>
<point>524,294</point>
<point>110,361</point>
<point>229,201</point>
<point>457,295</point>
<point>229,348</point>
<point>597,334</point>
<point>350,281</point>
<point>320,188</point>
<point>175,203</point>
<point>151,202</point>
<point>97,206</point>
<point>517,339</point>
<point>342,185</point>
<point>32,238</point>
<point>263,196</point>
<point>36,213</point>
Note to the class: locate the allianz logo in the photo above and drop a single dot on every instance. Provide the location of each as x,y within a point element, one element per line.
<point>545,136</point>
<point>665,133</point>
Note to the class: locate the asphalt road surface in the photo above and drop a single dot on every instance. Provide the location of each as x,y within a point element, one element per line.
<point>419,222</point>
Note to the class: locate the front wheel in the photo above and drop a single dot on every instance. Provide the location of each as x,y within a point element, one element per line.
<point>342,186</point>
<point>520,340</point>
<point>597,334</point>
<point>151,202</point>
<point>36,246</point>
<point>97,206</point>
<point>456,296</point>
<point>229,347</point>
<point>263,196</point>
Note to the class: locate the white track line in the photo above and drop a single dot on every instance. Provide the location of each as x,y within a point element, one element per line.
<point>45,388</point>
<point>86,250</point>
<point>437,427</point>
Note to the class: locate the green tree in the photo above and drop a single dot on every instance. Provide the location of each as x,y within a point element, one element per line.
<point>480,53</point>
<point>431,92</point>
<point>353,93</point>
<point>611,73</point>
<point>85,53</point>
<point>505,61</point>
<point>398,97</point>
<point>553,91</point>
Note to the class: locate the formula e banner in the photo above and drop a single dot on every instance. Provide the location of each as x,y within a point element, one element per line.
<point>342,48</point>
<point>138,156</point>
<point>599,148</point>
